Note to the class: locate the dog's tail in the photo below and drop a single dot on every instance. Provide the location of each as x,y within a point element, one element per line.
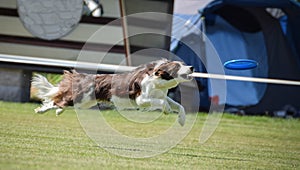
<point>45,89</point>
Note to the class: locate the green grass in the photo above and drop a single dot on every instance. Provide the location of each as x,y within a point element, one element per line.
<point>34,141</point>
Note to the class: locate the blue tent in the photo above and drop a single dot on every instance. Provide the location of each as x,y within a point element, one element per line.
<point>266,31</point>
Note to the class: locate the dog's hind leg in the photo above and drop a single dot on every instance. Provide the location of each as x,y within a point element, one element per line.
<point>45,107</point>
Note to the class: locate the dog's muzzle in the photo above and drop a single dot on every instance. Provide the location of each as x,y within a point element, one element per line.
<point>187,75</point>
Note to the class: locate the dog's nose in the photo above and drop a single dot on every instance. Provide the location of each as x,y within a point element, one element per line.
<point>192,68</point>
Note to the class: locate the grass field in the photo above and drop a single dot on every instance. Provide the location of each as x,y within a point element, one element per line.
<point>33,141</point>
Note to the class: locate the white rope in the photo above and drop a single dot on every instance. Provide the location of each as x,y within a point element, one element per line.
<point>241,78</point>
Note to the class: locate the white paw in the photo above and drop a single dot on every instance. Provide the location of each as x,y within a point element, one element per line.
<point>59,111</point>
<point>181,117</point>
<point>167,111</point>
<point>38,110</point>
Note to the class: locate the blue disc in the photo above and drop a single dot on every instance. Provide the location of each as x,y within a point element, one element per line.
<point>240,64</point>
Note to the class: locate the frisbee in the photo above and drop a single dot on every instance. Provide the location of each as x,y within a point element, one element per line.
<point>240,64</point>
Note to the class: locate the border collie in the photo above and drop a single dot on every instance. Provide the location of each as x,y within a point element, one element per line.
<point>145,87</point>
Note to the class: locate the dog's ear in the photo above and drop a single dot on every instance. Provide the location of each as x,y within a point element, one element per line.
<point>163,75</point>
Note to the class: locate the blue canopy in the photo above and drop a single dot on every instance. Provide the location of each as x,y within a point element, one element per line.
<point>232,10</point>
<point>265,31</point>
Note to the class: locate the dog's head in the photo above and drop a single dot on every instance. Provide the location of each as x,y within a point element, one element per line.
<point>173,70</point>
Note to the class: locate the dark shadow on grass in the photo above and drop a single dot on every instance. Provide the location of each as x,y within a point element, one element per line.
<point>120,148</point>
<point>202,156</point>
<point>174,153</point>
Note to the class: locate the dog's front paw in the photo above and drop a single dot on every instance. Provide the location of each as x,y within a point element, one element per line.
<point>167,110</point>
<point>59,111</point>
<point>181,117</point>
<point>38,110</point>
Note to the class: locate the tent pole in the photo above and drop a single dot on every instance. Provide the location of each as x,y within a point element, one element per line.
<point>125,33</point>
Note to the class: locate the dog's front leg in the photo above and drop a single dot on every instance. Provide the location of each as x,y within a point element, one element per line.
<point>163,84</point>
<point>154,104</point>
<point>178,108</point>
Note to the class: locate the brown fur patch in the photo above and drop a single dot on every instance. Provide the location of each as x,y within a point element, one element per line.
<point>74,85</point>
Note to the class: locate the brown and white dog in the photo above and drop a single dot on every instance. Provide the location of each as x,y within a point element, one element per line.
<point>145,87</point>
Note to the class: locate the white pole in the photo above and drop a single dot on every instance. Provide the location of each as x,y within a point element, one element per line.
<point>240,78</point>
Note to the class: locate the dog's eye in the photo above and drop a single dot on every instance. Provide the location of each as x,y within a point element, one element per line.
<point>157,72</point>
